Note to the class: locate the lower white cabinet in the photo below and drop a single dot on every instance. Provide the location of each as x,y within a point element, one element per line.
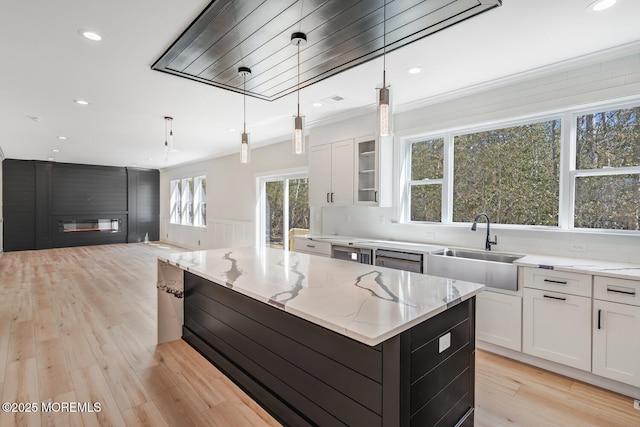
<point>616,330</point>
<point>557,327</point>
<point>309,246</point>
<point>499,319</point>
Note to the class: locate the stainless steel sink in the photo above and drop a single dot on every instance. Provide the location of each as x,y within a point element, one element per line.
<point>495,270</point>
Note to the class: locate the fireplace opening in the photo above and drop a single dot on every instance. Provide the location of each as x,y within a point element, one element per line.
<point>90,225</point>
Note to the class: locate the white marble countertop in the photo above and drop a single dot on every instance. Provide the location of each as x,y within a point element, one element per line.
<point>576,265</point>
<point>367,303</point>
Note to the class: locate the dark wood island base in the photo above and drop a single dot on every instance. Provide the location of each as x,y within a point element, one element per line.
<point>306,375</point>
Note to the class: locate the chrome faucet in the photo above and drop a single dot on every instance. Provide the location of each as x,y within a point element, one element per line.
<point>488,242</point>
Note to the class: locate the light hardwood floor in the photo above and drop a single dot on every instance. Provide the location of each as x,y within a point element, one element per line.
<point>79,325</point>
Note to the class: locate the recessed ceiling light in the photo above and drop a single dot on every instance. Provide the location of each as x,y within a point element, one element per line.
<point>414,70</point>
<point>34,118</point>
<point>317,104</point>
<point>81,101</point>
<point>232,130</point>
<point>50,159</point>
<point>600,5</point>
<point>150,158</point>
<point>55,150</point>
<point>134,165</point>
<point>62,138</point>
<point>90,35</point>
<point>174,150</point>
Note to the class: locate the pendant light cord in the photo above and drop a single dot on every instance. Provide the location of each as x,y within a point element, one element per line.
<point>244,102</point>
<point>298,79</point>
<point>384,43</point>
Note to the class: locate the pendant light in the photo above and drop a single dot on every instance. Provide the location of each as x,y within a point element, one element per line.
<point>168,136</point>
<point>298,39</point>
<point>245,152</point>
<point>384,97</point>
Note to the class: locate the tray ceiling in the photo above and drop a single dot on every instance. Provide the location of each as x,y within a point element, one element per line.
<point>340,34</point>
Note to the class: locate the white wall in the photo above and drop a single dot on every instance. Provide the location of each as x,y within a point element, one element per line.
<point>231,196</point>
<point>580,83</point>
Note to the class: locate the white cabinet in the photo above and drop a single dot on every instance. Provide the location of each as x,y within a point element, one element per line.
<point>310,246</point>
<point>616,329</point>
<point>373,162</point>
<point>556,317</point>
<point>331,174</point>
<point>499,319</point>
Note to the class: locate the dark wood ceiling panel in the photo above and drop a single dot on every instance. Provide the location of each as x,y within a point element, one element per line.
<point>340,35</point>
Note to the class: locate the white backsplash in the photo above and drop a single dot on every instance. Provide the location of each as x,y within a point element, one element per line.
<point>377,223</point>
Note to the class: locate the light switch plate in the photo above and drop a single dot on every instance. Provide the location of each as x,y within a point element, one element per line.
<point>636,404</point>
<point>444,342</point>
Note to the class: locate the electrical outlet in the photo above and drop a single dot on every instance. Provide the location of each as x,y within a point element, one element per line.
<point>198,242</point>
<point>636,404</point>
<point>444,342</point>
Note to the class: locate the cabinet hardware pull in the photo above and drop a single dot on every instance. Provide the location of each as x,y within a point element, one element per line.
<point>328,198</point>
<point>375,196</point>
<point>599,315</point>
<point>331,197</point>
<point>616,291</point>
<point>311,246</point>
<point>558,298</point>
<point>558,282</point>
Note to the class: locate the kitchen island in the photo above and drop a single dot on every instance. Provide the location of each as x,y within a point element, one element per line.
<point>319,341</point>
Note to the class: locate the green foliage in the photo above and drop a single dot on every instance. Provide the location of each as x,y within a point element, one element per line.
<point>298,208</point>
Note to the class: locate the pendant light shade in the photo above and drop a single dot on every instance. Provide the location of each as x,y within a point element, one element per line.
<point>298,39</point>
<point>168,136</point>
<point>245,151</point>
<point>384,95</point>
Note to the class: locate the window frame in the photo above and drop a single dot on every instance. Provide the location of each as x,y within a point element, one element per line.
<point>261,207</point>
<point>181,180</point>
<point>567,173</point>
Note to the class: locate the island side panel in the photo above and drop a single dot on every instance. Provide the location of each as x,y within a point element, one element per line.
<point>442,379</point>
<point>315,374</point>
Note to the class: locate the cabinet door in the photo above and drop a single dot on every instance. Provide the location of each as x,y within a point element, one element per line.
<point>557,327</point>
<point>319,175</point>
<point>499,319</point>
<point>342,173</point>
<point>366,172</point>
<point>616,341</point>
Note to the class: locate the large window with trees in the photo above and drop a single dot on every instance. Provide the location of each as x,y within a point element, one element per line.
<point>284,208</point>
<point>607,172</point>
<point>516,175</point>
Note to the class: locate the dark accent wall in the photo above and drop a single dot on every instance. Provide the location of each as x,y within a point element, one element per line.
<point>144,204</point>
<point>19,204</point>
<point>37,196</point>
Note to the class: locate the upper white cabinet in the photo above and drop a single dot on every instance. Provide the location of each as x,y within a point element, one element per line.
<point>373,164</point>
<point>616,329</point>
<point>331,174</point>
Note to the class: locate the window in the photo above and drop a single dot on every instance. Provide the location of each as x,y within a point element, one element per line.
<point>516,174</point>
<point>284,208</point>
<point>607,170</point>
<point>200,202</point>
<point>188,201</point>
<point>511,173</point>
<point>174,210</point>
<point>425,185</point>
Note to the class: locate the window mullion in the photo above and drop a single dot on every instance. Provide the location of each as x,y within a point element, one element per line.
<point>566,202</point>
<point>447,181</point>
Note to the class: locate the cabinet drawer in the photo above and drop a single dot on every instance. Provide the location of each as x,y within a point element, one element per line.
<point>558,281</point>
<point>308,246</point>
<point>616,290</point>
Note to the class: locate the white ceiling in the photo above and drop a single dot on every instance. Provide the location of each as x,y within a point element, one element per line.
<point>46,65</point>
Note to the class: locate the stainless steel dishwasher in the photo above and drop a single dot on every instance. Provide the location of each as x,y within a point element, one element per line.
<point>350,253</point>
<point>408,261</point>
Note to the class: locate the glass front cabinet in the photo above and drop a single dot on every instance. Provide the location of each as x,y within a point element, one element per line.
<point>373,178</point>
